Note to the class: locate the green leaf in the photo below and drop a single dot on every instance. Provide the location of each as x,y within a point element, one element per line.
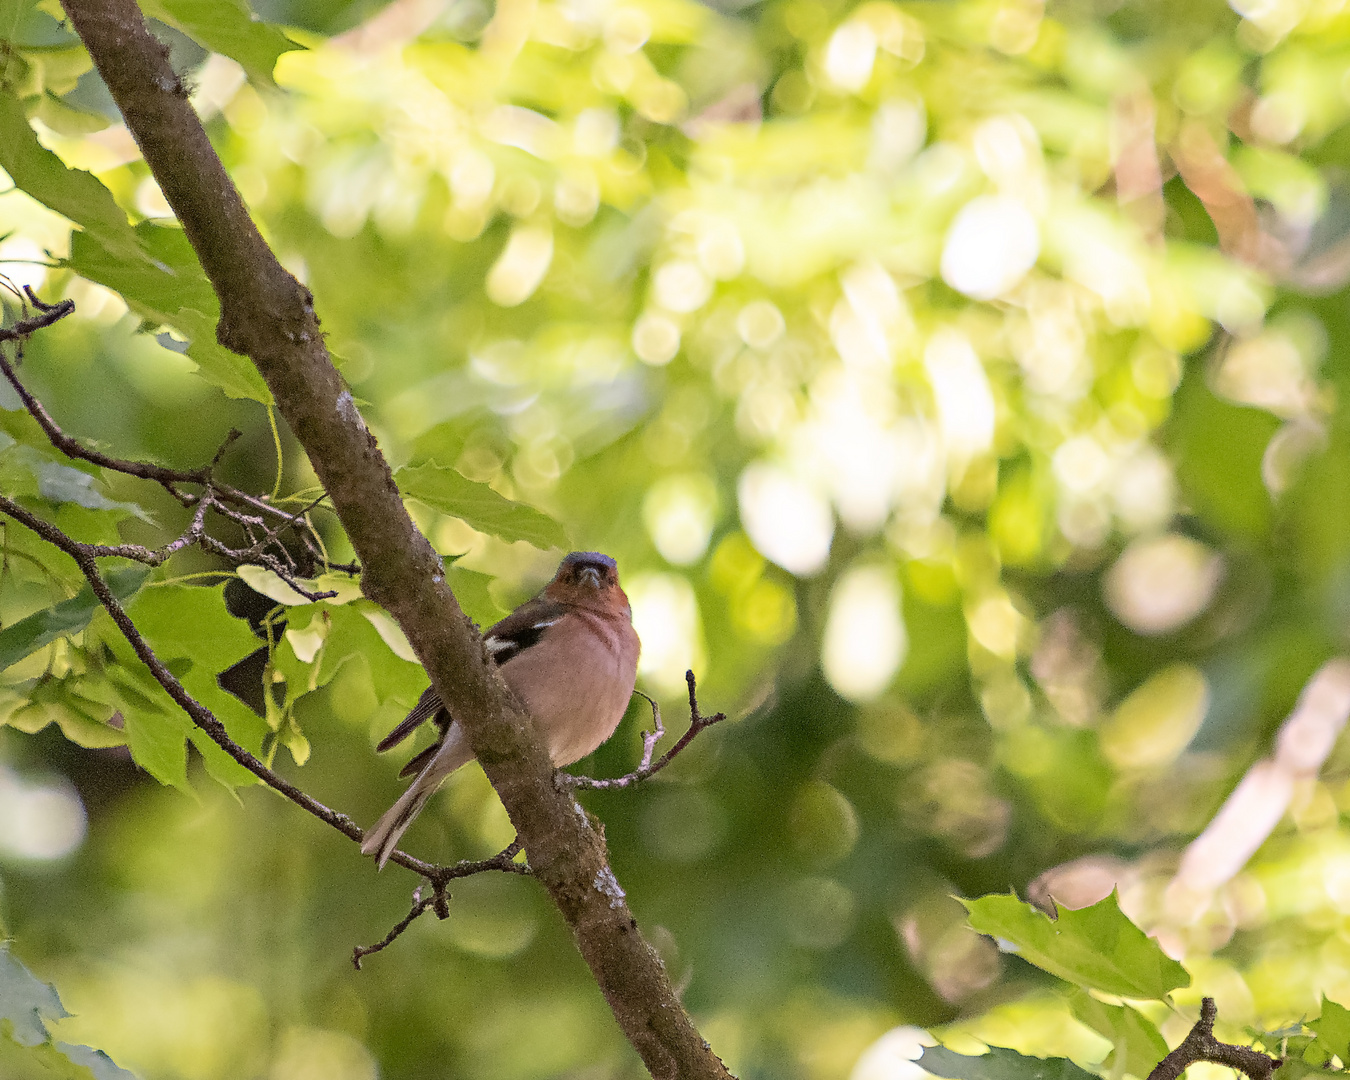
<point>169,287</point>
<point>999,1064</point>
<point>1096,947</point>
<point>352,635</point>
<point>479,506</point>
<point>227,27</point>
<point>269,584</point>
<point>157,739</point>
<point>59,483</point>
<point>26,1002</point>
<point>1333,1028</point>
<point>96,1061</point>
<point>74,193</point>
<point>471,591</point>
<point>71,616</point>
<point>1138,1045</point>
<point>192,623</point>
<point>233,373</point>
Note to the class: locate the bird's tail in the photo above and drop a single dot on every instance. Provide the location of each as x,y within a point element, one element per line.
<point>384,835</point>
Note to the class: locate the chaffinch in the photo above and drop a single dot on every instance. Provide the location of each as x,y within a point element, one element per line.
<point>570,655</point>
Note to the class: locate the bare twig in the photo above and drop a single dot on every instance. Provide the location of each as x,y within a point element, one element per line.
<point>85,556</point>
<point>697,723</point>
<point>47,314</point>
<point>1201,1045</point>
<point>267,550</point>
<point>420,904</point>
<point>439,900</point>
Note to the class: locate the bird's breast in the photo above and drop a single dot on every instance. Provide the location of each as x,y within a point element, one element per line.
<point>577,681</point>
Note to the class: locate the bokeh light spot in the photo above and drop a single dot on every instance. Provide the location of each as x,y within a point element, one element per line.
<point>991,245</point>
<point>38,821</point>
<point>786,520</point>
<point>1161,583</point>
<point>865,639</point>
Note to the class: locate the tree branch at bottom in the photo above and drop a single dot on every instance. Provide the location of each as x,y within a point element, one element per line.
<point>1201,1045</point>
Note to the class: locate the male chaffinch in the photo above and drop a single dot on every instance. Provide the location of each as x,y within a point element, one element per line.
<point>570,655</point>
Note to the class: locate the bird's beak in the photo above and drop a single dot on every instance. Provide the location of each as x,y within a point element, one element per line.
<point>591,576</point>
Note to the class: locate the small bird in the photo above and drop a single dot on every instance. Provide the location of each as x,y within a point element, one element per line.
<point>570,655</point>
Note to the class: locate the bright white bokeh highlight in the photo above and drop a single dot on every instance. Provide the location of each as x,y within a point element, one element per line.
<point>666,618</point>
<point>991,245</point>
<point>865,639</point>
<point>38,820</point>
<point>681,286</point>
<point>656,339</point>
<point>1161,583</point>
<point>786,519</point>
<point>850,55</point>
<point>892,1057</point>
<point>679,512</point>
<point>965,404</point>
<point>521,266</point>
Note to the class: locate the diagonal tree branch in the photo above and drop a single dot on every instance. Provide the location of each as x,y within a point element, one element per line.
<point>268,316</point>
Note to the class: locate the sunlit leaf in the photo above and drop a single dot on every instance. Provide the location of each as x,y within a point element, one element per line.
<point>68,617</point>
<point>168,286</point>
<point>1096,947</point>
<point>471,591</point>
<point>265,581</point>
<point>478,505</point>
<point>352,635</point>
<point>157,739</point>
<point>26,1002</point>
<point>391,634</point>
<point>1138,1045</point>
<point>192,623</point>
<point>77,194</point>
<point>227,27</point>
<point>999,1064</point>
<point>1333,1028</point>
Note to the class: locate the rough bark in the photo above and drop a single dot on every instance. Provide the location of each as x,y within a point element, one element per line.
<point>269,316</point>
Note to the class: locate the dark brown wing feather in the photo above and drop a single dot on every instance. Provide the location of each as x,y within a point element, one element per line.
<point>428,705</point>
<point>420,759</point>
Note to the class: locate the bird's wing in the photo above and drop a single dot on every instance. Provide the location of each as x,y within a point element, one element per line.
<point>428,705</point>
<point>505,641</point>
<point>522,628</point>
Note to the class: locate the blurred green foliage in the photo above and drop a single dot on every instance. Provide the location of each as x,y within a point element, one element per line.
<point>958,386</point>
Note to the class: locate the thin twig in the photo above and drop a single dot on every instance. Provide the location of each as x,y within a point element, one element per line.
<point>1201,1045</point>
<point>267,550</point>
<point>420,904</point>
<point>697,723</point>
<point>85,556</point>
<point>166,477</point>
<point>439,900</point>
<point>47,314</point>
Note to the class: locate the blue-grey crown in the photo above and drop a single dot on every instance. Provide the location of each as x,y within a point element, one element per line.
<point>589,558</point>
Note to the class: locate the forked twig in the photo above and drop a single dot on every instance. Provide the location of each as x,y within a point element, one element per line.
<point>697,723</point>
<point>439,900</point>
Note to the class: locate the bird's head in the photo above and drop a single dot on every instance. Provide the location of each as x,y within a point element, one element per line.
<point>588,579</point>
